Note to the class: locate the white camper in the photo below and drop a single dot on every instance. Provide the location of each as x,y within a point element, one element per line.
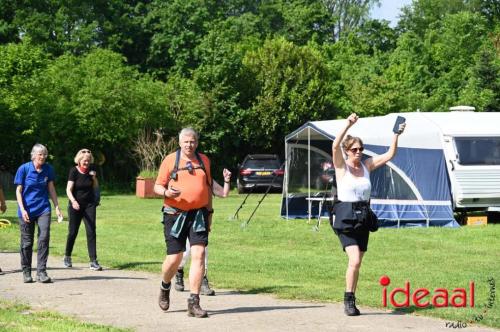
<point>446,162</point>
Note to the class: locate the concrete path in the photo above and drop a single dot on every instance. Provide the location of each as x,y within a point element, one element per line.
<point>129,299</point>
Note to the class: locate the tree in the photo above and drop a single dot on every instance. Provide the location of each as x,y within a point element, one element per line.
<point>176,28</point>
<point>98,102</point>
<point>19,65</point>
<point>348,14</point>
<point>8,30</point>
<point>290,82</point>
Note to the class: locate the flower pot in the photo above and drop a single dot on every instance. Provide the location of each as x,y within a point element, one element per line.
<point>144,187</point>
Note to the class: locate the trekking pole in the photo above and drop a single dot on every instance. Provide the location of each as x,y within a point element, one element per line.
<point>245,224</point>
<point>235,216</point>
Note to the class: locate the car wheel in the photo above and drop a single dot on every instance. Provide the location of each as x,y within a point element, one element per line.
<point>241,189</point>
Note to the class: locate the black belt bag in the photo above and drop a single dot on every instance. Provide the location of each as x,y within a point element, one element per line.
<point>351,216</point>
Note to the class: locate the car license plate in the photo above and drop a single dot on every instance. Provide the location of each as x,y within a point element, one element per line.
<point>263,173</point>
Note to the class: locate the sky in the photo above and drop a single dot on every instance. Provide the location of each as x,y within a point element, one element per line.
<point>389,10</point>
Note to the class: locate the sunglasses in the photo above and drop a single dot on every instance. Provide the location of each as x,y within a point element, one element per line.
<point>86,151</point>
<point>355,150</point>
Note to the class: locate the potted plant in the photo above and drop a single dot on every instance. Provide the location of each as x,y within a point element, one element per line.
<point>150,149</point>
<point>144,184</point>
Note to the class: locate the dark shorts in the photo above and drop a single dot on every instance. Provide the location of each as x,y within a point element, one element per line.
<point>176,245</point>
<point>359,239</point>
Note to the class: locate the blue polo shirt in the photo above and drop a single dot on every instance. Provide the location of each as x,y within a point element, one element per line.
<point>35,188</point>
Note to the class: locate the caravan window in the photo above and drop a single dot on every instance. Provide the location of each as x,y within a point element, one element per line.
<point>478,150</point>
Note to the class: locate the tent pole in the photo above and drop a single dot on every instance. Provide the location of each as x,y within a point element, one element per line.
<point>285,191</point>
<point>309,171</point>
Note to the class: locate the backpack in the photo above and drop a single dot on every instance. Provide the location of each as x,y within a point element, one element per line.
<point>173,174</point>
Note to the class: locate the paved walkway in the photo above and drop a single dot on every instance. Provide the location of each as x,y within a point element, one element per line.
<point>129,299</point>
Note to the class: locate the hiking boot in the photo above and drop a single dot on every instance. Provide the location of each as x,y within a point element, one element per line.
<point>194,309</point>
<point>205,287</point>
<point>43,277</point>
<point>350,304</point>
<point>27,276</point>
<point>179,281</point>
<point>164,299</point>
<point>94,265</point>
<point>67,261</point>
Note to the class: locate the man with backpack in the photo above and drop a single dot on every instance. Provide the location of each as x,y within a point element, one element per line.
<point>184,179</point>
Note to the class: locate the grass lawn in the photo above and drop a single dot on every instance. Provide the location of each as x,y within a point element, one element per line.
<point>16,317</point>
<point>290,260</point>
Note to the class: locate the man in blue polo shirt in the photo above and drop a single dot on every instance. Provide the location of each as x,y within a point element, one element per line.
<point>34,184</point>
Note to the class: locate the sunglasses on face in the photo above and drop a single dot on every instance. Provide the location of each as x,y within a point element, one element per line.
<point>86,151</point>
<point>355,150</point>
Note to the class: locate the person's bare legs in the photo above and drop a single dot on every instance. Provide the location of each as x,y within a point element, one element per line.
<point>197,269</point>
<point>179,275</point>
<point>355,257</point>
<point>169,266</point>
<point>353,266</point>
<point>168,269</point>
<point>195,276</point>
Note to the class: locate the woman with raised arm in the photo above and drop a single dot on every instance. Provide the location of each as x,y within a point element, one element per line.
<point>353,217</point>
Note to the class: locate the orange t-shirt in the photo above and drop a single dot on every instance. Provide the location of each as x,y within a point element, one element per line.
<point>194,187</point>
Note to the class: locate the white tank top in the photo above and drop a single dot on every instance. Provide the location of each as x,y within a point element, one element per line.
<point>353,188</point>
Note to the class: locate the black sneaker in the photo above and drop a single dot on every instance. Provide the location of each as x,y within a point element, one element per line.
<point>179,281</point>
<point>27,276</point>
<point>94,265</point>
<point>205,287</point>
<point>43,277</point>
<point>67,261</point>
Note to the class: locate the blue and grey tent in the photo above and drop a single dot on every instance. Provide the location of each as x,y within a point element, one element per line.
<point>446,162</point>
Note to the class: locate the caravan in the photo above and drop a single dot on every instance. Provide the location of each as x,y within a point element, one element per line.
<point>446,162</point>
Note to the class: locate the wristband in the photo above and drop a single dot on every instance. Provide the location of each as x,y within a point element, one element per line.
<point>227,181</point>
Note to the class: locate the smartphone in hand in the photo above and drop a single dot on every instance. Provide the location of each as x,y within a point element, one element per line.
<point>399,120</point>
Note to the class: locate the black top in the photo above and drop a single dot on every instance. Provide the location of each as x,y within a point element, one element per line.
<point>83,190</point>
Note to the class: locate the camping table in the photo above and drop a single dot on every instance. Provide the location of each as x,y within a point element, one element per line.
<point>320,201</point>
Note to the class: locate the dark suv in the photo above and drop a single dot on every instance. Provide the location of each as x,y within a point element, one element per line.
<point>260,171</point>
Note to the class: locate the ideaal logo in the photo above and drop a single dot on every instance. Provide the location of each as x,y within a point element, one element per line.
<point>423,297</point>
<point>440,297</point>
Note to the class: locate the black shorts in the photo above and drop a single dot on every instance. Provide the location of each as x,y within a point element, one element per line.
<point>355,238</point>
<point>176,245</point>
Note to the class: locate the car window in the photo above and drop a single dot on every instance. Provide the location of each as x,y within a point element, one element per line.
<point>257,164</point>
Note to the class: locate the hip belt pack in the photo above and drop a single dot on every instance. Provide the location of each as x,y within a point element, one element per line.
<point>350,216</point>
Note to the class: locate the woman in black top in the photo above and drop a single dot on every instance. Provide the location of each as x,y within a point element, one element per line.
<point>81,187</point>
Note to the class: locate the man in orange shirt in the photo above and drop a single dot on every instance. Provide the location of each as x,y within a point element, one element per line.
<point>184,180</point>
